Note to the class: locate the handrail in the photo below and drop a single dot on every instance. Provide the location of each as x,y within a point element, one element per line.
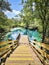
<point>42,48</point>
<point>46,46</point>
<point>5,50</point>
<point>6,44</point>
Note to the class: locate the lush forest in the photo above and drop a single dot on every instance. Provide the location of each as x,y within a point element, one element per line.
<point>35,14</point>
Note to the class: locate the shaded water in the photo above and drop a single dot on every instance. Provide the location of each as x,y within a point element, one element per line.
<point>32,34</point>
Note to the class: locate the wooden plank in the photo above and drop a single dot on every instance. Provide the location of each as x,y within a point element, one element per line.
<point>23,54</point>
<point>39,55</point>
<point>5,49</point>
<point>6,42</point>
<point>42,51</point>
<point>5,45</point>
<point>24,39</point>
<point>46,46</point>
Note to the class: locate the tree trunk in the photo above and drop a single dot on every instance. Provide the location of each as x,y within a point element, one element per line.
<point>43,38</point>
<point>44,33</point>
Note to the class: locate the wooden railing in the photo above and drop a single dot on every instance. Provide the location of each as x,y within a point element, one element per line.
<point>42,51</point>
<point>6,48</point>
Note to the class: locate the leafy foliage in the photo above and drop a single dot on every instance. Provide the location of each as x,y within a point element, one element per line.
<point>38,9</point>
<point>4,5</point>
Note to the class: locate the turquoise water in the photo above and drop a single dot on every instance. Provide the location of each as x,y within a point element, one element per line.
<point>32,34</point>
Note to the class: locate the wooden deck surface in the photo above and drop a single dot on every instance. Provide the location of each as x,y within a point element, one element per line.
<point>23,54</point>
<point>24,39</point>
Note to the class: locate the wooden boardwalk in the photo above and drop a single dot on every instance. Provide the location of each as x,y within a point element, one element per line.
<point>23,54</point>
<point>24,39</point>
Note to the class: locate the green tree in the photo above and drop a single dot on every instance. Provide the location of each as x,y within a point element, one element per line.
<point>40,10</point>
<point>4,5</point>
<point>3,19</point>
<point>26,15</point>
